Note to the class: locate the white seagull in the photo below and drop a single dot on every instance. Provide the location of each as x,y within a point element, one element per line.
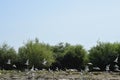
<point>9,61</point>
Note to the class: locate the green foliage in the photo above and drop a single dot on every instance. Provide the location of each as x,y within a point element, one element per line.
<point>6,53</point>
<point>74,57</point>
<point>36,52</point>
<point>103,54</point>
<point>62,55</point>
<point>59,52</point>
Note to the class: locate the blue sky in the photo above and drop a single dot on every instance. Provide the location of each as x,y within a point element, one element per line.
<point>53,21</point>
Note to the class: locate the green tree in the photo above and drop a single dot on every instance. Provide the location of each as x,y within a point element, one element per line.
<point>7,53</point>
<point>36,52</point>
<point>74,57</point>
<point>103,54</point>
<point>59,52</point>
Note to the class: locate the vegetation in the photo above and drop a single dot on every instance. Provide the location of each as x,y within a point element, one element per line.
<point>36,53</point>
<point>74,57</point>
<point>104,54</point>
<point>62,56</point>
<point>7,53</point>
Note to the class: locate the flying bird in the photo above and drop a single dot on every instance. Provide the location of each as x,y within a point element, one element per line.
<point>27,62</point>
<point>44,62</point>
<point>116,60</point>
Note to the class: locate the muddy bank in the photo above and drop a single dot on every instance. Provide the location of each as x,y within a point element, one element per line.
<point>58,75</point>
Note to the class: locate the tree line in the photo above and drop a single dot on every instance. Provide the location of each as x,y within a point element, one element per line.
<point>61,56</point>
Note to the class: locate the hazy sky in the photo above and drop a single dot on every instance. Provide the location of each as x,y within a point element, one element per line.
<point>53,21</point>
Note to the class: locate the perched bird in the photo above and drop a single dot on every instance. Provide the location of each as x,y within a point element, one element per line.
<point>32,69</point>
<point>96,68</point>
<point>14,66</point>
<point>107,67</point>
<point>57,69</point>
<point>9,61</point>
<point>50,70</point>
<point>89,63</point>
<point>36,69</point>
<point>86,68</point>
<point>116,68</point>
